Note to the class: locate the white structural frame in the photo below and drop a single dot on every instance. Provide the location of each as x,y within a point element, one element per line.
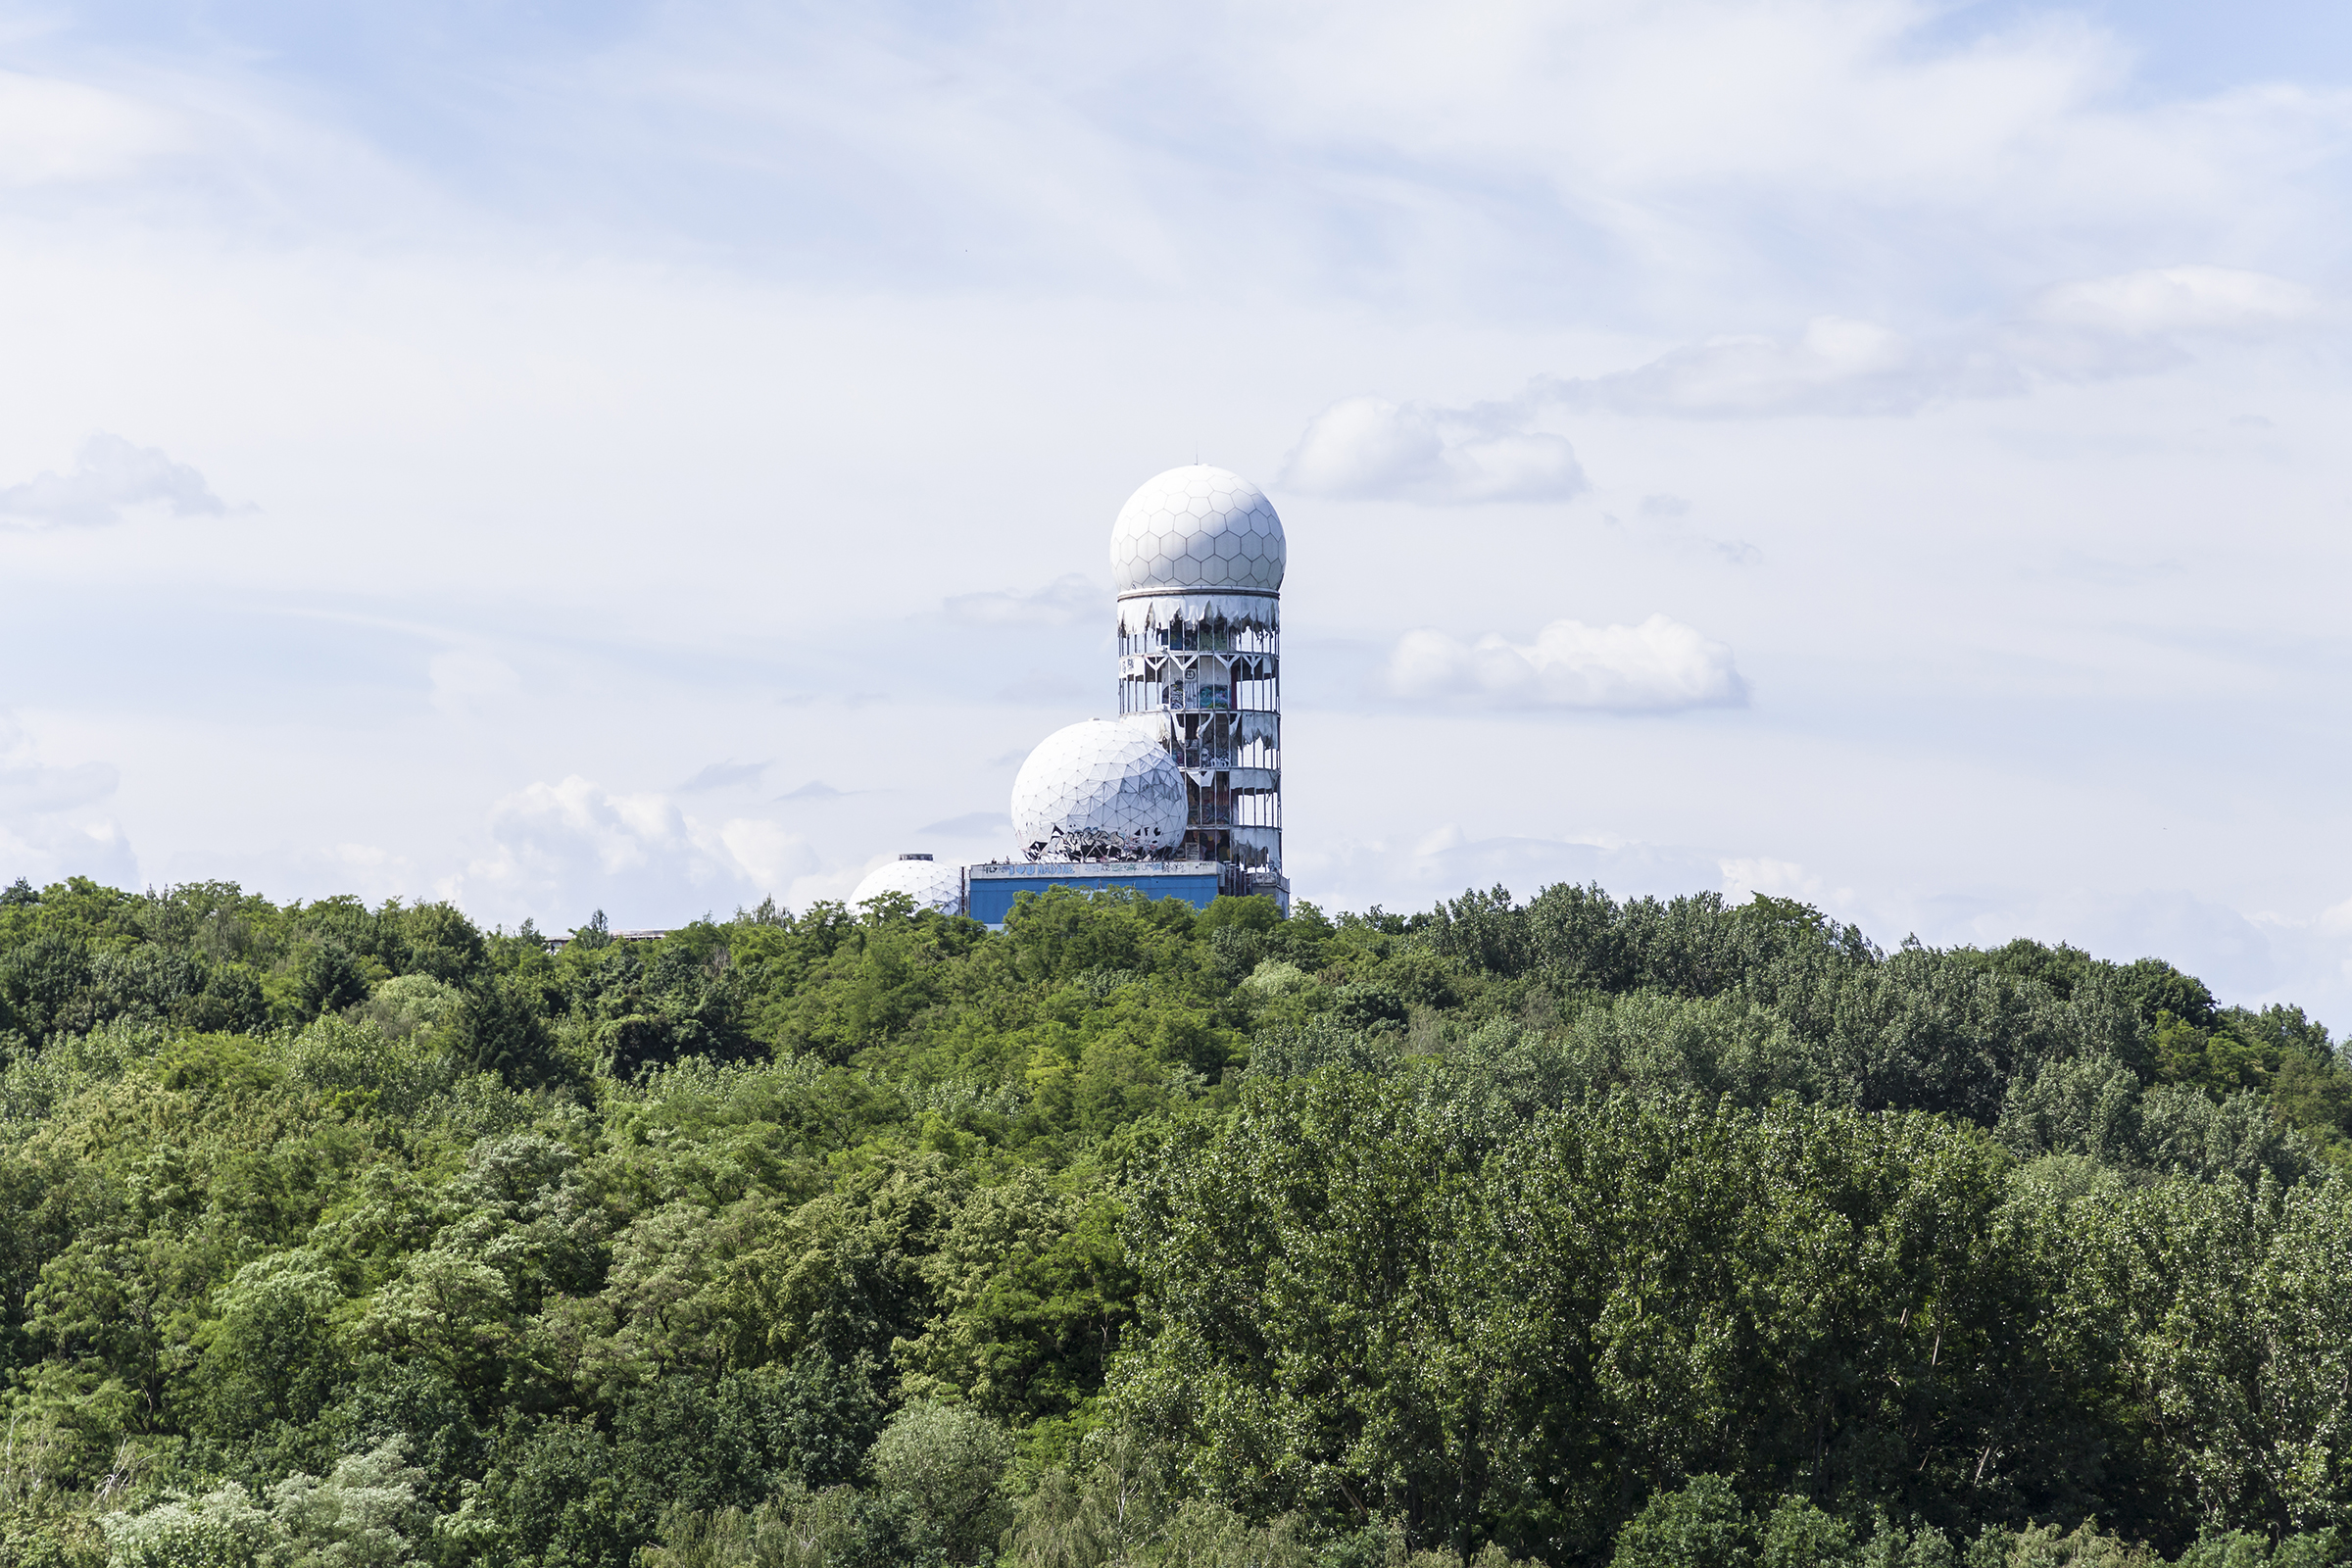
<point>1207,667</point>
<point>1197,557</point>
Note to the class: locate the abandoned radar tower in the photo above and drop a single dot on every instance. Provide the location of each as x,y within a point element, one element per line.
<point>1181,795</point>
<point>1197,557</point>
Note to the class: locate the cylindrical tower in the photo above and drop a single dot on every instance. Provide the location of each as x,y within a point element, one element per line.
<point>1197,556</point>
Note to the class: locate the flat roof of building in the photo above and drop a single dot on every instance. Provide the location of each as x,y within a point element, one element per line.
<point>1117,869</point>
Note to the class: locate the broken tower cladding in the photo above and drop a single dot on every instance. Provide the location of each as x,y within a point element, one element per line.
<point>1197,556</point>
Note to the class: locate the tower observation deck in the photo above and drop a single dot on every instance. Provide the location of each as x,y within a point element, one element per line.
<point>1197,556</point>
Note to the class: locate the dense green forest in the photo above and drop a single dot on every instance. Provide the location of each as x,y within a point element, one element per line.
<point>1572,1232</point>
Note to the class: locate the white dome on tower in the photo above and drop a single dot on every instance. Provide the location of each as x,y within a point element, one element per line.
<point>931,885</point>
<point>1103,789</point>
<point>1198,529</point>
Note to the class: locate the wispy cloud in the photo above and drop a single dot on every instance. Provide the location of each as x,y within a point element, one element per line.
<point>816,789</point>
<point>475,338</point>
<point>1835,366</point>
<point>1403,872</point>
<point>47,828</point>
<point>2099,328</point>
<point>972,825</point>
<point>1658,666</point>
<point>1371,448</point>
<point>60,133</point>
<point>2178,299</point>
<point>1666,518</point>
<point>472,683</point>
<point>28,785</point>
<point>723,776</point>
<point>113,479</point>
<point>1060,602</point>
<point>563,848</point>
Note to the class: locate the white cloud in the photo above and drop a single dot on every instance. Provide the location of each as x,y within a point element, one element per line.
<point>2129,323</point>
<point>563,850</point>
<point>972,825</point>
<point>1658,666</point>
<point>1060,602</point>
<point>2092,330</point>
<point>1371,448</point>
<point>31,787</point>
<point>589,370</point>
<point>1744,877</point>
<point>2177,299</point>
<point>727,775</point>
<point>371,871</point>
<point>113,478</point>
<point>775,859</point>
<point>1665,518</point>
<point>1442,862</point>
<point>54,133</point>
<point>48,829</point>
<point>467,682</point>
<point>556,826</point>
<point>1440,839</point>
<point>1836,366</point>
<point>1719,150</point>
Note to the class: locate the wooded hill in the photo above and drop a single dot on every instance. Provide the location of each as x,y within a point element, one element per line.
<point>1573,1231</point>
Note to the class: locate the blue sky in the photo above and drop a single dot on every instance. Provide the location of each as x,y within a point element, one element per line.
<point>515,453</point>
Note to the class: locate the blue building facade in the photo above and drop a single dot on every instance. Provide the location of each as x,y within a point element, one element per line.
<point>989,891</point>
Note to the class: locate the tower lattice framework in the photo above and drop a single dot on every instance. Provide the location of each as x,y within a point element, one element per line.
<point>1207,667</point>
<point>1197,554</point>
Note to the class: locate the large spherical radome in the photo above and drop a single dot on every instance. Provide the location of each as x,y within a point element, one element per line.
<point>1198,529</point>
<point>1103,789</point>
<point>931,885</point>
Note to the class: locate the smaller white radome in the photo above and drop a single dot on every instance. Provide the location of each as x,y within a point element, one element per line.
<point>1106,789</point>
<point>931,885</point>
<point>1198,528</point>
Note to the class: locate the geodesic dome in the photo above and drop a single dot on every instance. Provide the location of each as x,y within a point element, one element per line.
<point>931,885</point>
<point>1196,527</point>
<point>1106,789</point>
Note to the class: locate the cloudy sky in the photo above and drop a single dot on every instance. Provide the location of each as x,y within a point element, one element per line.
<point>651,456</point>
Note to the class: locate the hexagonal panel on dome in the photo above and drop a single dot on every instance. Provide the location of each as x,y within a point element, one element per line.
<point>931,885</point>
<point>1106,789</point>
<point>1190,515</point>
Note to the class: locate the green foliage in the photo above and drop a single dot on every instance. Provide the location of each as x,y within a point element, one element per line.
<point>1565,1231</point>
<point>367,1513</point>
<point>945,1467</point>
<point>221,1530</point>
<point>1701,1525</point>
<point>797,1529</point>
<point>501,1029</point>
